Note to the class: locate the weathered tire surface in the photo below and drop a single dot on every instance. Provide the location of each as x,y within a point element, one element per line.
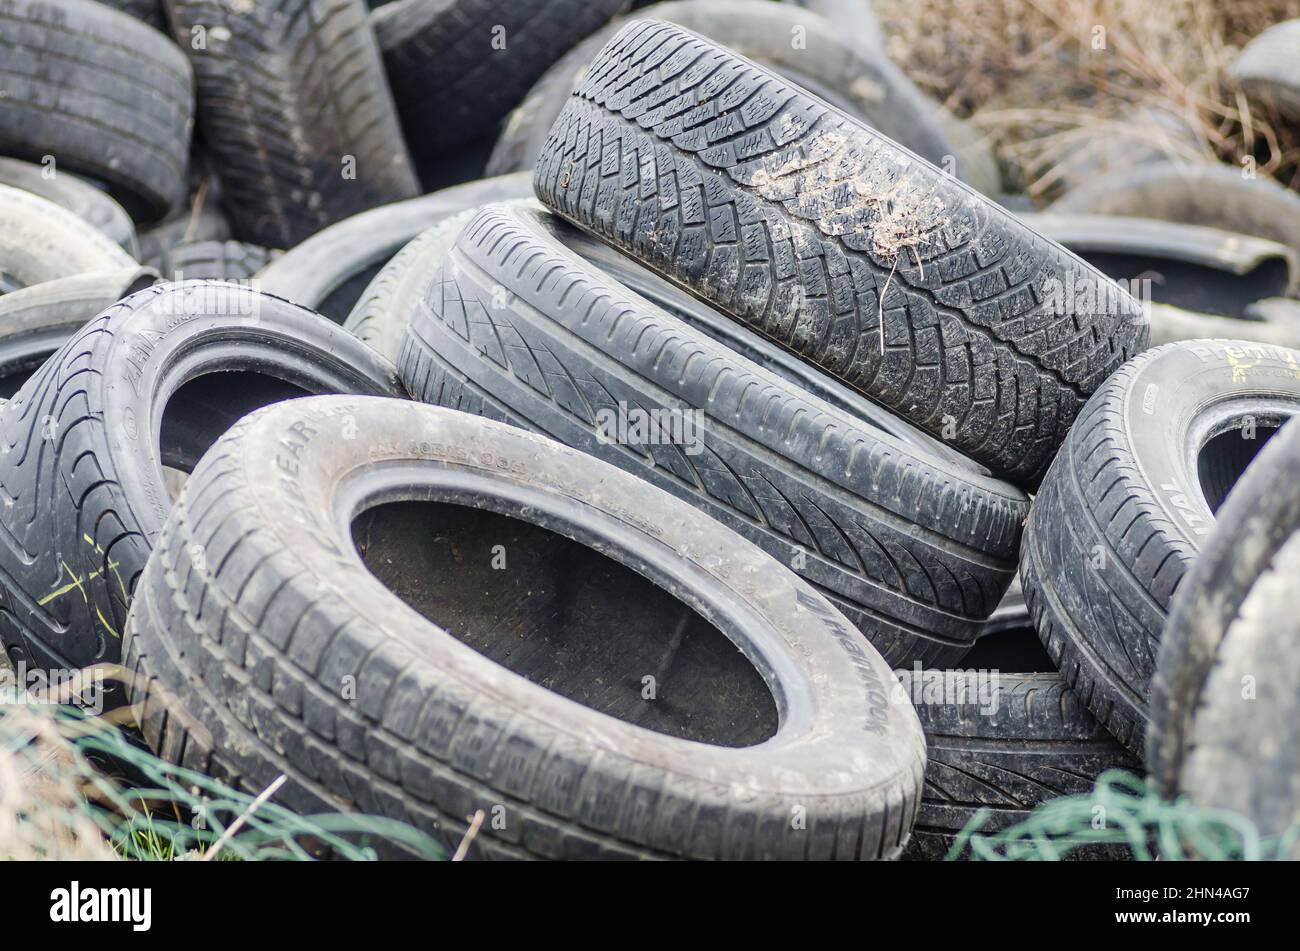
<point>82,199</point>
<point>329,271</point>
<point>914,549</point>
<point>147,11</point>
<point>292,100</point>
<point>215,261</point>
<point>36,321</point>
<point>85,441</point>
<point>1219,607</point>
<point>1267,69</point>
<point>1209,194</point>
<point>1127,504</point>
<point>1018,741</point>
<point>438,729</point>
<point>107,96</point>
<point>451,79</point>
<point>40,241</point>
<point>1271,325</point>
<point>859,80</point>
<point>784,212</point>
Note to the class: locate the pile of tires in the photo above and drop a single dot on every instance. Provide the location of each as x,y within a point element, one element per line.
<point>659,493</point>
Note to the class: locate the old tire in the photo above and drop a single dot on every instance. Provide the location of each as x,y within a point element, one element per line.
<point>916,550</point>
<point>1277,324</point>
<point>860,80</point>
<point>747,208</point>
<point>148,383</point>
<point>40,241</point>
<point>109,97</point>
<point>438,730</point>
<point>215,261</point>
<point>457,66</point>
<point>1009,743</point>
<point>294,107</point>
<point>82,199</point>
<point>1266,69</point>
<point>1128,502</point>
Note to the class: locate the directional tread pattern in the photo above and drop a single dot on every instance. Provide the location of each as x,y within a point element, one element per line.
<point>802,222</point>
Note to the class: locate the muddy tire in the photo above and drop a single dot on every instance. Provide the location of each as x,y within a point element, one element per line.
<point>40,241</point>
<point>857,79</point>
<point>109,97</point>
<point>1129,501</point>
<point>1218,609</point>
<point>743,207</point>
<point>329,271</point>
<point>1008,744</point>
<point>527,712</point>
<point>36,321</point>
<point>294,107</point>
<point>83,461</point>
<point>914,549</point>
<point>82,199</point>
<point>450,73</point>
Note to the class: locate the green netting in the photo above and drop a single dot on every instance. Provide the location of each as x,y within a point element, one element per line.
<point>1121,814</point>
<point>55,802</point>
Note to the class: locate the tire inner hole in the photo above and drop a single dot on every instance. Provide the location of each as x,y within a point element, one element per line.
<point>568,619</point>
<point>1224,458</point>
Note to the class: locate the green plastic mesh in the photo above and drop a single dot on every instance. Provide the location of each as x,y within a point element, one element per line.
<point>55,802</point>
<point>1123,814</point>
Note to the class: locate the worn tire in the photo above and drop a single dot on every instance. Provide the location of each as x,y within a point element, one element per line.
<point>1266,69</point>
<point>81,198</point>
<point>292,92</point>
<point>451,82</point>
<point>438,730</point>
<point>81,466</point>
<point>329,271</point>
<point>1271,325</point>
<point>914,549</point>
<point>859,80</point>
<point>1019,741</point>
<point>1121,515</point>
<point>109,97</point>
<point>1219,606</point>
<point>747,210</point>
<point>147,11</point>
<point>41,241</point>
<point>215,261</point>
<point>36,321</point>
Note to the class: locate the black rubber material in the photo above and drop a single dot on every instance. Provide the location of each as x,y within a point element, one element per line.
<point>41,241</point>
<point>449,76</point>
<point>147,11</point>
<point>1006,742</point>
<point>148,383</point>
<point>292,101</point>
<point>784,212</point>
<point>79,197</point>
<point>329,271</point>
<point>1221,604</point>
<point>36,321</point>
<point>242,652</point>
<point>916,550</point>
<point>207,224</point>
<point>1277,324</point>
<point>215,261</point>
<point>109,97</point>
<point>1126,506</point>
<point>859,80</point>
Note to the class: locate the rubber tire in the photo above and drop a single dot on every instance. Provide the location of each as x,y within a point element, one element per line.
<point>81,198</point>
<point>1270,326</point>
<point>109,97</point>
<point>215,261</point>
<point>1206,194</point>
<point>36,321</point>
<point>296,90</point>
<point>1037,743</point>
<point>87,506</point>
<point>916,551</point>
<point>147,11</point>
<point>1266,69</point>
<point>861,81</point>
<point>319,272</point>
<point>282,615</point>
<point>1218,607</point>
<point>974,350</point>
<point>449,80</point>
<point>1120,494</point>
<point>40,241</point>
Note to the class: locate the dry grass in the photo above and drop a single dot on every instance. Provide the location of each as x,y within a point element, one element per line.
<point>1064,86</point>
